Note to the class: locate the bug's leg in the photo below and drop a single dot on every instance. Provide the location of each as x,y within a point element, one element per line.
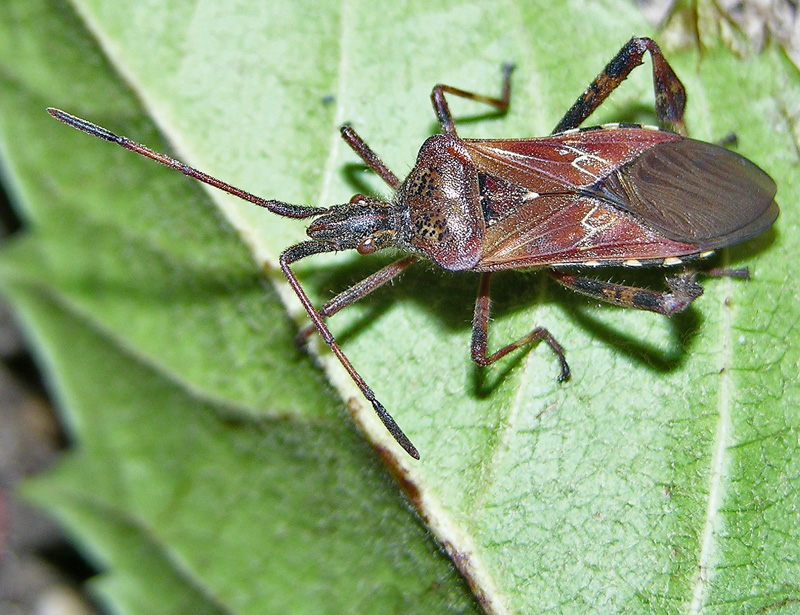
<point>366,154</point>
<point>443,110</point>
<point>358,291</point>
<point>669,91</point>
<point>717,272</point>
<point>480,334</point>
<point>309,248</point>
<point>683,289</point>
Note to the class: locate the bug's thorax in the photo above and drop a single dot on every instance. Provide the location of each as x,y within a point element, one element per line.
<point>438,205</point>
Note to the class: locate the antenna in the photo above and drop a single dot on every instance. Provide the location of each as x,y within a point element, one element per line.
<point>280,208</point>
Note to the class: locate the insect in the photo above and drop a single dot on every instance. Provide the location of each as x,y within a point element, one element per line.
<point>611,195</point>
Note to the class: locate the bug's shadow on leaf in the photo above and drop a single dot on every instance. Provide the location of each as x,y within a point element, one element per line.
<point>742,254</point>
<point>355,173</point>
<point>485,380</point>
<point>451,299</point>
<point>684,326</point>
<point>461,120</point>
<point>631,113</point>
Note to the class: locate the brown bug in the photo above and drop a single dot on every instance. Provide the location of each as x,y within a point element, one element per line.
<point>610,195</point>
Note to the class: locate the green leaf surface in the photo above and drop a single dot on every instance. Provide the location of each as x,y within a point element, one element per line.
<point>217,471</point>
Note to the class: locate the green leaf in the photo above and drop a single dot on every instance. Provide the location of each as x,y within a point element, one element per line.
<point>216,471</point>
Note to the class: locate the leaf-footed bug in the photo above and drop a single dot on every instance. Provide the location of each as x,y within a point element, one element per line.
<point>617,194</point>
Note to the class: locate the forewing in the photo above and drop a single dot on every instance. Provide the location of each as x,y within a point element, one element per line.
<point>565,161</point>
<point>576,230</point>
<point>696,192</point>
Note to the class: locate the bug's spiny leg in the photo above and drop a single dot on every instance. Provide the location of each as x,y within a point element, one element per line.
<point>683,290</point>
<point>443,110</point>
<point>358,291</point>
<point>480,334</point>
<point>366,154</point>
<point>669,91</point>
<point>277,207</point>
<point>309,248</point>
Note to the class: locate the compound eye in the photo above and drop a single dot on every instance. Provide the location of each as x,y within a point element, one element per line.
<point>357,198</point>
<point>367,246</point>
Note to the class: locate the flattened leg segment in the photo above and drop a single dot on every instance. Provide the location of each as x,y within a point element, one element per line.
<point>669,91</point>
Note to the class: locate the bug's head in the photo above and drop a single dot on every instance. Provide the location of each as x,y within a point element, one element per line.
<point>363,224</point>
